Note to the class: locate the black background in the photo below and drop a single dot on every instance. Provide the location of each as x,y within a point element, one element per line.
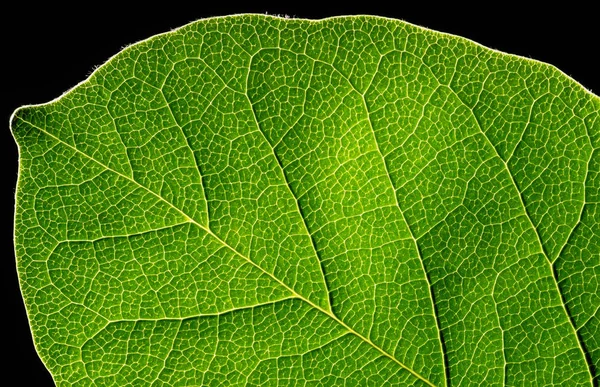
<point>46,51</point>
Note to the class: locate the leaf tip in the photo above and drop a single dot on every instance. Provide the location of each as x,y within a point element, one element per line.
<point>19,118</point>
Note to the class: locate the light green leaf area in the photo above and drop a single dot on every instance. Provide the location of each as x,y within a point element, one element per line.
<point>251,200</point>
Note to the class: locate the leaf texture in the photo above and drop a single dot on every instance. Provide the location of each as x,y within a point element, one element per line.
<point>251,200</point>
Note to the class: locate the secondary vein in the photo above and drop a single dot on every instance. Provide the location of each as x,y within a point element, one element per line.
<point>535,230</point>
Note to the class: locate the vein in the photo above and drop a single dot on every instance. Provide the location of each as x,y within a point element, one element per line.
<point>520,140</point>
<point>114,122</point>
<point>430,289</point>
<point>397,203</point>
<point>528,217</point>
<point>311,350</point>
<point>145,275</point>
<point>283,175</point>
<point>164,366</point>
<point>367,110</point>
<point>592,316</point>
<point>584,202</point>
<point>214,356</point>
<point>168,227</point>
<point>504,373</point>
<point>296,201</point>
<point>412,236</point>
<point>225,244</point>
<point>187,142</point>
<point>180,319</point>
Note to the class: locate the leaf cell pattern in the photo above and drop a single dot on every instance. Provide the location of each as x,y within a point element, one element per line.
<point>250,200</point>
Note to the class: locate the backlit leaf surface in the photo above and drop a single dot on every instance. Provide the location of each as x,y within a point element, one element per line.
<point>251,200</point>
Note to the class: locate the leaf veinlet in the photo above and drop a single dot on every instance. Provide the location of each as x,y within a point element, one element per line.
<point>250,200</point>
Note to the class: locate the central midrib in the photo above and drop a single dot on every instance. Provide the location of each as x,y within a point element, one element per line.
<point>225,244</point>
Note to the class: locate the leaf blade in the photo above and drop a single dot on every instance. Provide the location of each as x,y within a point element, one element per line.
<point>321,181</point>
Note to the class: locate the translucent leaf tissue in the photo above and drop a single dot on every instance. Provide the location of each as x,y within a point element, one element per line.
<point>251,200</point>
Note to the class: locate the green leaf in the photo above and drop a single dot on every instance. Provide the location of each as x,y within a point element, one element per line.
<point>250,200</point>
